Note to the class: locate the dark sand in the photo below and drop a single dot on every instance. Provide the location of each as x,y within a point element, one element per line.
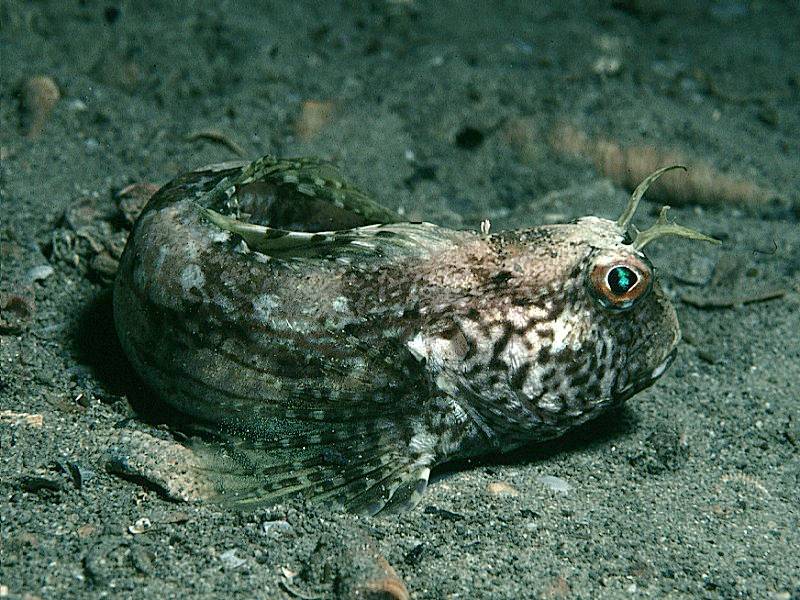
<point>693,491</point>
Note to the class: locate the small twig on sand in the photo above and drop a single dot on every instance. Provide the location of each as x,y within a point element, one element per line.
<point>293,591</point>
<point>21,418</point>
<point>732,300</point>
<point>627,166</point>
<point>715,90</point>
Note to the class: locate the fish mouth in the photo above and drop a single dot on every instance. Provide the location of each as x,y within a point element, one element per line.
<point>663,365</point>
<point>646,379</point>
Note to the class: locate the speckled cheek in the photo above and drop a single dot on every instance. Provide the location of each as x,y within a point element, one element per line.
<point>568,328</point>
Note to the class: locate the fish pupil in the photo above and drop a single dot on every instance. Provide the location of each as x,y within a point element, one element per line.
<point>621,280</point>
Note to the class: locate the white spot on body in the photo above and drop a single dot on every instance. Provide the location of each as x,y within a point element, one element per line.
<point>192,278</point>
<point>484,344</point>
<point>339,304</point>
<point>422,443</point>
<point>437,351</point>
<point>551,402</point>
<point>533,384</point>
<point>609,372</point>
<point>220,236</point>
<point>557,484</point>
<point>417,347</point>
<point>520,317</point>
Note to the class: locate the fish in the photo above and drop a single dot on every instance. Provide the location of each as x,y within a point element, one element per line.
<point>322,347</point>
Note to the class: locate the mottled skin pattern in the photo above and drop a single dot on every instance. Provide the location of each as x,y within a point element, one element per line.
<point>345,368</point>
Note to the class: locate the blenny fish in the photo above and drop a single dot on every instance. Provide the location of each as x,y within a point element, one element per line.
<point>330,350</point>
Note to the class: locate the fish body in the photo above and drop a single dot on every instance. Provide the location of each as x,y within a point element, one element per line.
<point>338,353</point>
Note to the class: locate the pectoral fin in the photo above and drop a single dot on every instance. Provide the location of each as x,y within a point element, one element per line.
<point>365,474</point>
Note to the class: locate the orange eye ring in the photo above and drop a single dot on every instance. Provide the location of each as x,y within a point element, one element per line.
<point>618,285</point>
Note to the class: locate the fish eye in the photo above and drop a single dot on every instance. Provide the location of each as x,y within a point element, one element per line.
<point>619,285</point>
<point>621,279</point>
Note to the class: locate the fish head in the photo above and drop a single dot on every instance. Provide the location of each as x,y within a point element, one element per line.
<point>615,318</point>
<point>585,323</point>
<point>572,321</point>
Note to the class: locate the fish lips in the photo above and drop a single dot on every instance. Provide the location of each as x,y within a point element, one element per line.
<point>644,379</point>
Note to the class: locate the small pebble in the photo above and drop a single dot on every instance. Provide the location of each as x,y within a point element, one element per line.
<point>15,312</point>
<point>501,488</point>
<point>104,265</point>
<point>314,117</point>
<point>274,527</point>
<point>230,561</point>
<point>413,556</point>
<point>140,526</point>
<point>241,248</point>
<point>555,483</point>
<point>38,97</point>
<point>176,517</point>
<point>607,65</point>
<point>39,273</point>
<point>76,105</point>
